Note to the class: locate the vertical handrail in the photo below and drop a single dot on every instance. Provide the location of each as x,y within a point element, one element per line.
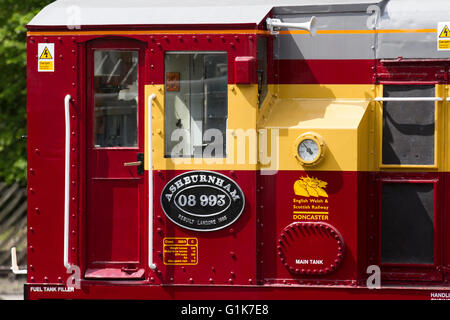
<point>14,266</point>
<point>151,264</point>
<point>66,180</point>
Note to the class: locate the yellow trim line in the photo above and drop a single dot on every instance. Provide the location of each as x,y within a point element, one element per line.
<point>148,32</point>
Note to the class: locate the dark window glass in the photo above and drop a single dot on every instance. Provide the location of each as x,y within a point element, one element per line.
<point>116,98</point>
<point>408,126</point>
<point>407,223</point>
<point>196,104</point>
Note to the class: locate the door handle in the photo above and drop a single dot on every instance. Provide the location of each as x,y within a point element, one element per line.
<point>132,164</point>
<point>139,163</point>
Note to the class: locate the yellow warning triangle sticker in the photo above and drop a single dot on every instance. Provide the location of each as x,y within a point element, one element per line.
<point>46,53</point>
<point>445,33</point>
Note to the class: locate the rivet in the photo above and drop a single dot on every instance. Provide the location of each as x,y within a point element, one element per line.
<point>59,279</point>
<point>213,269</point>
<point>45,279</point>
<point>230,281</point>
<point>37,210</point>
<point>211,280</point>
<point>37,151</point>
<point>191,280</point>
<point>250,281</point>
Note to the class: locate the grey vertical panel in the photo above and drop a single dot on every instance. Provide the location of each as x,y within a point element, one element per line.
<point>327,46</point>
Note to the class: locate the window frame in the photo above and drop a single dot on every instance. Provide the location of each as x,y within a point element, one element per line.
<point>401,71</point>
<point>438,106</point>
<point>140,57</point>
<point>225,135</point>
<point>412,271</point>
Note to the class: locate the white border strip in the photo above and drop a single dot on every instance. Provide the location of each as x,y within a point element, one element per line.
<point>66,181</point>
<point>150,183</point>
<point>408,99</point>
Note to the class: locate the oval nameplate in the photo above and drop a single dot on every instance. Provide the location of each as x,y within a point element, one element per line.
<point>202,200</point>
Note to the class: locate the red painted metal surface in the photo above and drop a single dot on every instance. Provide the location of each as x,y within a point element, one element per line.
<point>239,262</point>
<point>245,70</point>
<point>222,259</point>
<point>325,71</point>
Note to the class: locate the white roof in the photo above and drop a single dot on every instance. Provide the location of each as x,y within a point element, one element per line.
<point>166,12</point>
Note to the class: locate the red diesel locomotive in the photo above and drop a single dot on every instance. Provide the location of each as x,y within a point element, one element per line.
<point>256,150</point>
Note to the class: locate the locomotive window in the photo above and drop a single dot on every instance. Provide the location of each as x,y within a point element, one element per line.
<point>262,70</point>
<point>408,126</point>
<point>196,104</point>
<point>407,223</point>
<point>116,98</point>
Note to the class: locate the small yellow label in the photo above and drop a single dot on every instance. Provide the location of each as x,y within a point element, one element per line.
<point>310,187</point>
<point>444,44</point>
<point>46,65</point>
<point>445,33</point>
<point>46,54</point>
<point>180,251</point>
<point>46,57</point>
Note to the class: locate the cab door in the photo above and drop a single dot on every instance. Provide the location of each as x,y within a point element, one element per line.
<point>114,160</point>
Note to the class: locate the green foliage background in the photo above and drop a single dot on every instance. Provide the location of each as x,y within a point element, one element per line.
<point>14,15</point>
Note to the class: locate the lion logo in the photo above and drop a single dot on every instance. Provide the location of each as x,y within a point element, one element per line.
<point>310,187</point>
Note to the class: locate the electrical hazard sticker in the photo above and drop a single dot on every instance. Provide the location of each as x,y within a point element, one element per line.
<point>443,36</point>
<point>46,57</point>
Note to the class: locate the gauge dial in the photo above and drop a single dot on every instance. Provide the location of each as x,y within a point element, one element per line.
<point>310,148</point>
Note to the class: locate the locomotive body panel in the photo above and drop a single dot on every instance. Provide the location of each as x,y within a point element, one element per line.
<point>237,212</point>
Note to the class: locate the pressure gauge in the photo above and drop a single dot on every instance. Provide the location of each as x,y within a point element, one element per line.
<point>310,149</point>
